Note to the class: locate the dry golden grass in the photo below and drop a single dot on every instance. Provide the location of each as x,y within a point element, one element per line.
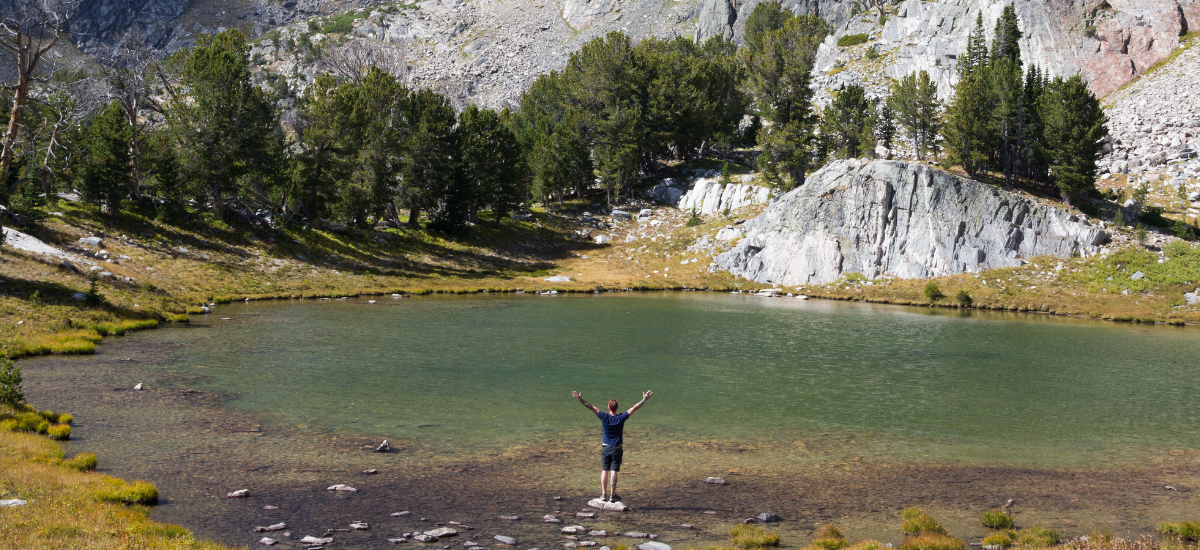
<point>748,536</point>
<point>65,508</point>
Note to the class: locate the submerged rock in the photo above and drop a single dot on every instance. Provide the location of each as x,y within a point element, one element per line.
<point>309,539</point>
<point>901,219</point>
<point>441,532</point>
<point>401,514</point>
<point>240,493</point>
<point>653,546</point>
<point>275,527</point>
<point>505,540</point>
<point>768,517</point>
<point>342,488</point>
<point>550,519</point>
<point>267,541</point>
<point>424,538</point>
<point>360,526</point>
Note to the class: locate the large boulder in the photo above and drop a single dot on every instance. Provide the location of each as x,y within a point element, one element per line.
<point>900,219</point>
<point>582,14</point>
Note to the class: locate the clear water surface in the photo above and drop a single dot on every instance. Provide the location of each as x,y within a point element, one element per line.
<point>487,371</point>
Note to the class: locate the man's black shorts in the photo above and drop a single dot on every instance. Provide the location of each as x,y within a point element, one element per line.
<point>610,458</point>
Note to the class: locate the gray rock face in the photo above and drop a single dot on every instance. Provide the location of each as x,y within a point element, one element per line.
<point>728,18</point>
<point>106,20</point>
<point>900,219</point>
<point>583,14</point>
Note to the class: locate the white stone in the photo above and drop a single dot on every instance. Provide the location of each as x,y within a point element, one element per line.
<point>441,532</point>
<point>557,279</point>
<point>342,488</point>
<point>13,503</point>
<point>240,493</point>
<point>653,546</point>
<point>505,540</point>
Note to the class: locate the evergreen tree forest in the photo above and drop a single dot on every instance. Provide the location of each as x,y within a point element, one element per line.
<point>199,131</point>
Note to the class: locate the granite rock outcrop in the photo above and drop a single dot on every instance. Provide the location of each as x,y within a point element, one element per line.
<point>900,219</point>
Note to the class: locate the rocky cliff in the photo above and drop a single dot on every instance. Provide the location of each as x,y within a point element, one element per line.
<point>1108,42</point>
<point>900,219</point>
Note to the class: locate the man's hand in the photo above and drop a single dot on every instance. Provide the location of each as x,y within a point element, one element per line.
<point>579,396</point>
<point>645,395</point>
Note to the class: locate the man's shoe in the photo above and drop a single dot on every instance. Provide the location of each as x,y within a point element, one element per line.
<point>614,498</point>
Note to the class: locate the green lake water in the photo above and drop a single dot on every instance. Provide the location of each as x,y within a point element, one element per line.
<point>466,374</point>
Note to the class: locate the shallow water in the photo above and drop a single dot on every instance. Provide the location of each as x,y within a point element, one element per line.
<point>824,410</point>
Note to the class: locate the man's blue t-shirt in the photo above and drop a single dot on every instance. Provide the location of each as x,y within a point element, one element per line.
<point>613,427</point>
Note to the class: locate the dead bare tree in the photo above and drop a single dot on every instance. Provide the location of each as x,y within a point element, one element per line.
<point>64,109</point>
<point>352,59</point>
<point>127,66</point>
<point>28,30</point>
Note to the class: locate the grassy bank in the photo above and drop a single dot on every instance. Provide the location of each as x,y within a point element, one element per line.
<point>69,506</point>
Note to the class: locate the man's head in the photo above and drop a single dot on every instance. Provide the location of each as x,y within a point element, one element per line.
<point>612,406</point>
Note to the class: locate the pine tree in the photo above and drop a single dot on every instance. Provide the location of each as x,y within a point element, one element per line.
<point>1033,155</point>
<point>969,132</point>
<point>1073,127</point>
<point>106,174</point>
<point>427,159</point>
<point>489,161</point>
<point>848,123</point>
<point>885,130</point>
<point>976,56</point>
<point>1008,114</point>
<point>914,100</point>
<point>778,74</point>
<point>1006,37</point>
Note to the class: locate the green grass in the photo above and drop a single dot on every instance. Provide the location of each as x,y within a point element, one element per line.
<point>852,40</point>
<point>1188,530</point>
<point>1115,273</point>
<point>917,522</point>
<point>998,539</point>
<point>747,536</point>
<point>60,432</point>
<point>932,541</point>
<point>996,519</point>
<point>83,462</point>
<point>135,492</point>
<point>1038,537</point>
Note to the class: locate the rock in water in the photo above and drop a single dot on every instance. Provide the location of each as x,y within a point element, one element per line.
<point>606,505</point>
<point>240,493</point>
<point>714,480</point>
<point>441,532</point>
<point>424,538</point>
<point>267,541</point>
<point>505,540</point>
<point>401,514</point>
<point>768,517</point>
<point>343,488</point>
<point>901,219</point>
<point>139,387</point>
<point>309,539</point>
<point>383,447</point>
<point>653,546</point>
<point>360,526</point>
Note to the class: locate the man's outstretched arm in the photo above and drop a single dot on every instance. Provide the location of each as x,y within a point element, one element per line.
<point>579,396</point>
<point>639,404</point>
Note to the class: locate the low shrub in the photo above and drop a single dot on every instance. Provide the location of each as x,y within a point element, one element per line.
<point>194,310</point>
<point>61,432</point>
<point>43,426</point>
<point>996,519</point>
<point>1038,537</point>
<point>867,545</point>
<point>919,523</point>
<point>1153,216</point>
<point>852,40</point>
<point>137,492</point>
<point>1188,530</point>
<point>998,539</point>
<point>175,318</point>
<point>964,298</point>
<point>933,292</point>
<point>828,544</point>
<point>910,513</point>
<point>932,541</point>
<point>828,531</point>
<point>65,418</point>
<point>753,536</point>
<point>695,219</point>
<point>10,383</point>
<point>84,462</point>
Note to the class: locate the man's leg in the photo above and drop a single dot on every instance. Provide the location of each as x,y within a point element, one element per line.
<point>612,483</point>
<point>604,483</point>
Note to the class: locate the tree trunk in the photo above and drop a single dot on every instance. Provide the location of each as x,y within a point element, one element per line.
<point>414,216</point>
<point>10,136</point>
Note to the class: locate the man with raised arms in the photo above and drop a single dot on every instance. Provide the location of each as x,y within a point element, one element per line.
<point>612,427</point>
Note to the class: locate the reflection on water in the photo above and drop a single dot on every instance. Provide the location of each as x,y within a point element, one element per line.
<point>817,410</point>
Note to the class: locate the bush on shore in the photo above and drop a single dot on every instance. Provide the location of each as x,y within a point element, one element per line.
<point>1187,530</point>
<point>60,432</point>
<point>932,541</point>
<point>135,492</point>
<point>753,536</point>
<point>917,522</point>
<point>828,537</point>
<point>996,519</point>
<point>1038,537</point>
<point>1001,539</point>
